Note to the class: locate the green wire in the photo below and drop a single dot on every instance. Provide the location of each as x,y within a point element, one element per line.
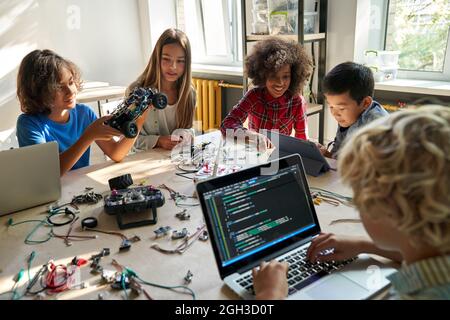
<point>191,292</point>
<point>28,240</point>
<point>30,261</point>
<point>29,236</point>
<point>14,288</point>
<point>123,286</point>
<point>15,295</point>
<point>337,195</point>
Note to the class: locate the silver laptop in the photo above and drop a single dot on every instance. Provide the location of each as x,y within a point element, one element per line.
<point>29,177</point>
<point>266,212</point>
<point>314,162</point>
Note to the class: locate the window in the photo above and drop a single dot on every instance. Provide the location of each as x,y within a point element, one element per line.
<point>419,29</point>
<point>214,30</point>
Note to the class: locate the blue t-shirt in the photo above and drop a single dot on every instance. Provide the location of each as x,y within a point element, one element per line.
<point>34,129</point>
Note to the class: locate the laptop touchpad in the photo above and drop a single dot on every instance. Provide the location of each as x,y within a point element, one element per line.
<point>334,287</point>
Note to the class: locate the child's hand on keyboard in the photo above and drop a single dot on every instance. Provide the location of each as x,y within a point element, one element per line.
<point>270,281</point>
<point>327,247</point>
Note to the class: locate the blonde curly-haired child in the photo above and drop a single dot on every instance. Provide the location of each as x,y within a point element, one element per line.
<point>399,170</point>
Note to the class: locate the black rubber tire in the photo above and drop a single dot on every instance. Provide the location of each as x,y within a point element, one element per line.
<point>159,100</point>
<point>130,129</point>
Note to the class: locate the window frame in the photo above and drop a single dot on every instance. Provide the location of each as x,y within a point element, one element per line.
<point>232,36</point>
<point>416,74</point>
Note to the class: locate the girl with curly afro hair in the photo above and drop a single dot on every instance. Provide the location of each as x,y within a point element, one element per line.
<point>278,70</point>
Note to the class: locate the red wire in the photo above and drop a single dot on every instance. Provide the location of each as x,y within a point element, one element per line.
<point>52,277</point>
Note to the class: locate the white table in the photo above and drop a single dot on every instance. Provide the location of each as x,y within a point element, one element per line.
<point>155,168</point>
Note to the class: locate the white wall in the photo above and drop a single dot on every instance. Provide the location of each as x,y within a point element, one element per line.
<point>162,16</point>
<point>340,44</point>
<point>102,37</point>
<point>156,16</point>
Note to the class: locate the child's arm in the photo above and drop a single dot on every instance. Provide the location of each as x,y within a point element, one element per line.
<point>270,281</point>
<point>97,130</point>
<point>323,150</point>
<point>29,132</point>
<point>118,150</point>
<point>301,124</point>
<point>345,248</point>
<point>237,116</point>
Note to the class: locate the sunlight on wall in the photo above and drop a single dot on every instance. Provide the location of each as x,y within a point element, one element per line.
<point>7,20</point>
<point>6,134</point>
<point>11,57</point>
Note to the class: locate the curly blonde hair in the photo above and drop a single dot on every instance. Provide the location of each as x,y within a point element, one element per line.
<point>399,167</point>
<point>268,56</point>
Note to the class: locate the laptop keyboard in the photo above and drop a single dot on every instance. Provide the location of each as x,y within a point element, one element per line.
<point>301,272</point>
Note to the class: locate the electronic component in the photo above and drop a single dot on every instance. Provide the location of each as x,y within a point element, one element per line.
<point>179,234</point>
<point>89,222</point>
<point>188,277</point>
<point>120,182</point>
<point>134,200</point>
<point>78,262</point>
<point>68,212</point>
<point>126,244</point>
<point>125,115</point>
<point>203,236</point>
<point>122,281</point>
<point>162,231</point>
<point>90,197</point>
<point>108,275</point>
<point>134,239</point>
<point>197,152</point>
<point>95,265</point>
<point>183,215</point>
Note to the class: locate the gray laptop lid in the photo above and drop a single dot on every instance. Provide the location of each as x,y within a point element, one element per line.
<point>29,177</point>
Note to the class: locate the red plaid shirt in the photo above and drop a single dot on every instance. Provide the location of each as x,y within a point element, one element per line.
<point>267,112</point>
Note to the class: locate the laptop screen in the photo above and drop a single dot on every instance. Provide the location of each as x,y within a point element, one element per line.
<point>252,215</point>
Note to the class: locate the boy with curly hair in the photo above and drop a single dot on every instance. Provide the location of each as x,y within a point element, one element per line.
<point>399,170</point>
<point>278,70</point>
<point>47,86</point>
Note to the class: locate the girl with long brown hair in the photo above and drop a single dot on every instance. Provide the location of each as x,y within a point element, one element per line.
<point>169,71</point>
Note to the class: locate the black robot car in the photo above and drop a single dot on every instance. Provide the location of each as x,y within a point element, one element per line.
<point>125,115</point>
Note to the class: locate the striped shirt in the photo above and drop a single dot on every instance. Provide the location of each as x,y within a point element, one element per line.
<point>266,112</point>
<point>422,280</point>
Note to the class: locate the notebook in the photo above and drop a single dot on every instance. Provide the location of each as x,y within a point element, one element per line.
<point>29,177</point>
<point>314,162</point>
<point>266,212</point>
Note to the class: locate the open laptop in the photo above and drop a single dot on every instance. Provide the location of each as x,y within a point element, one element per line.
<point>314,162</point>
<point>266,212</point>
<point>29,177</point>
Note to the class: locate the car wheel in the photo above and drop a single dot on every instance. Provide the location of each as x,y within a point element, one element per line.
<point>130,129</point>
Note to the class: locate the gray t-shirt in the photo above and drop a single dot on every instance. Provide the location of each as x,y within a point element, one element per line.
<point>167,120</point>
<point>373,112</point>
